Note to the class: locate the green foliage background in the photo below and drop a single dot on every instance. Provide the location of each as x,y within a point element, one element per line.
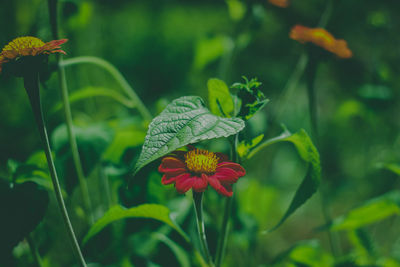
<point>170,48</point>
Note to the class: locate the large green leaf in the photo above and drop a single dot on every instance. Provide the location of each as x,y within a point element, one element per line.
<point>219,97</point>
<point>115,213</point>
<point>186,120</point>
<point>22,208</point>
<point>372,211</point>
<point>309,154</point>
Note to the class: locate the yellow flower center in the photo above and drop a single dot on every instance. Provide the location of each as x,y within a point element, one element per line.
<point>20,45</point>
<point>201,161</point>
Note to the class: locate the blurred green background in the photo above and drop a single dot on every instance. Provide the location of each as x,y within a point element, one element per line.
<point>169,48</point>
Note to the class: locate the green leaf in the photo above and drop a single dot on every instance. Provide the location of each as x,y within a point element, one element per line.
<point>372,211</point>
<point>91,91</point>
<point>310,155</point>
<point>115,213</point>
<point>252,98</point>
<point>209,50</point>
<point>22,208</point>
<point>219,91</point>
<point>393,167</point>
<point>306,253</point>
<point>244,147</point>
<point>236,8</point>
<point>127,135</point>
<point>186,120</point>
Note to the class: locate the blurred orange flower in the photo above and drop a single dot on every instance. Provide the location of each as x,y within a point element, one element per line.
<point>28,46</point>
<point>279,3</point>
<point>322,38</point>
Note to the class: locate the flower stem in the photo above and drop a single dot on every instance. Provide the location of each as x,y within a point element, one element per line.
<point>31,83</point>
<point>227,212</point>
<point>117,76</point>
<point>53,14</point>
<point>198,205</point>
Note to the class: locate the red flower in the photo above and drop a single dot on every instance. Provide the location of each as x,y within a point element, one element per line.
<point>197,168</point>
<point>280,3</point>
<point>28,46</point>
<point>322,38</point>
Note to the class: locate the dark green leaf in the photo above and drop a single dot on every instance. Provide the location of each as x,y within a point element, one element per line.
<point>251,97</point>
<point>310,155</point>
<point>22,207</point>
<point>219,91</point>
<point>115,213</point>
<point>186,120</point>
<point>372,211</point>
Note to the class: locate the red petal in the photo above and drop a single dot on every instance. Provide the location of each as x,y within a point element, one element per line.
<point>226,175</point>
<point>200,183</point>
<point>223,190</point>
<point>234,166</point>
<point>184,182</point>
<point>171,178</point>
<point>171,163</point>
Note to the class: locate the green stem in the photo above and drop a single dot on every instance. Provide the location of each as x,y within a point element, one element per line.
<point>53,13</point>
<point>227,212</point>
<point>198,205</point>
<point>34,251</point>
<point>72,142</point>
<point>31,83</point>
<point>116,75</point>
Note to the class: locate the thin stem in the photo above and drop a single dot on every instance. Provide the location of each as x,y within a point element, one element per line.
<point>72,142</point>
<point>227,212</point>
<point>224,232</point>
<point>53,12</point>
<point>34,251</point>
<point>116,75</point>
<point>31,83</point>
<point>198,206</point>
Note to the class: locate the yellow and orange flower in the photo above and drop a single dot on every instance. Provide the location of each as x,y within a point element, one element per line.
<point>28,46</point>
<point>322,38</point>
<point>279,3</point>
<point>198,168</point>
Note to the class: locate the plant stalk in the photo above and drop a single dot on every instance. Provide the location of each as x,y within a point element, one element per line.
<point>31,83</point>
<point>198,207</point>
<point>227,212</point>
<point>53,13</point>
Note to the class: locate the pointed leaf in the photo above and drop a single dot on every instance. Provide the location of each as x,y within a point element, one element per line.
<point>310,155</point>
<point>115,213</point>
<point>186,120</point>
